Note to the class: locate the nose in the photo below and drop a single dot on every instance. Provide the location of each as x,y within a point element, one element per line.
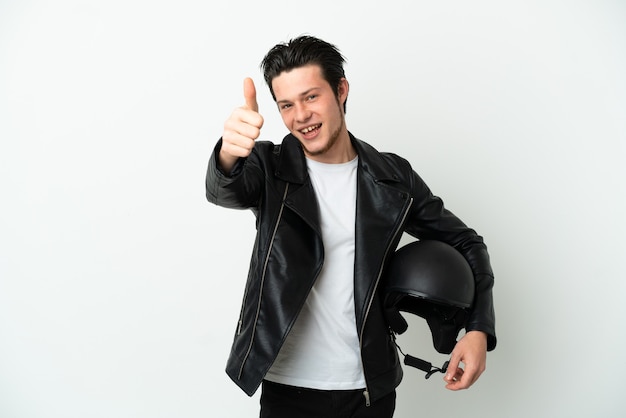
<point>302,112</point>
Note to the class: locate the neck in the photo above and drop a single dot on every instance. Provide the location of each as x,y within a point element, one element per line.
<point>339,149</point>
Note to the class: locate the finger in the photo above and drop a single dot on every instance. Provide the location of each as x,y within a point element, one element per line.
<point>249,93</point>
<point>462,378</point>
<point>453,367</point>
<point>245,122</point>
<point>465,380</point>
<point>454,376</point>
<point>470,375</point>
<point>237,145</point>
<point>457,382</point>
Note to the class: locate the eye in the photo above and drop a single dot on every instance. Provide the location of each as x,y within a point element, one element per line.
<point>285,106</point>
<point>311,97</point>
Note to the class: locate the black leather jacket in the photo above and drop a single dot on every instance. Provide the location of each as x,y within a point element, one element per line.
<point>288,252</point>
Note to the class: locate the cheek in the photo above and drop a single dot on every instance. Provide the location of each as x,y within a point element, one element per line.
<point>286,119</point>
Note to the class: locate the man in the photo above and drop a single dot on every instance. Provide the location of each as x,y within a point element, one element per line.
<point>330,212</point>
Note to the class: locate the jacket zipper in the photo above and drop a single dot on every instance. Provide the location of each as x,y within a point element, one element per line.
<point>267,258</point>
<point>366,393</point>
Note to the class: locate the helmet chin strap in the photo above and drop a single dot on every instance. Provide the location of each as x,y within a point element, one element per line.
<point>420,364</point>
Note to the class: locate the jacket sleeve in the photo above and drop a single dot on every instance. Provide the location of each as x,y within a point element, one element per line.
<point>430,219</point>
<point>238,190</point>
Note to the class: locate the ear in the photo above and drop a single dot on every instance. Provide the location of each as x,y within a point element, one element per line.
<point>342,90</point>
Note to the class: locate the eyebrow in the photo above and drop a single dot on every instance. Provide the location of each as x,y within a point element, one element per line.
<point>305,93</point>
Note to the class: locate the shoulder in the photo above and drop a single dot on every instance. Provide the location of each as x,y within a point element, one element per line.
<point>384,163</point>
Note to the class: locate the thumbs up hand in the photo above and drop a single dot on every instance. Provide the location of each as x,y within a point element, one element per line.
<point>241,129</point>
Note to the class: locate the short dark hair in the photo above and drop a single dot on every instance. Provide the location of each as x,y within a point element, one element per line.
<point>301,51</point>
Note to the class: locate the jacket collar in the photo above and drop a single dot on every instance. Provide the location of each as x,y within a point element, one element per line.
<point>292,162</point>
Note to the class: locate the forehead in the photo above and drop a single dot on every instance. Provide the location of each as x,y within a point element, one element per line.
<point>291,84</point>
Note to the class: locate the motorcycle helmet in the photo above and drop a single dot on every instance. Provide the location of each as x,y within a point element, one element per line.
<point>432,280</point>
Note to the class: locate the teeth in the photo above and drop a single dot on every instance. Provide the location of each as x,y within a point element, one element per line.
<point>309,129</point>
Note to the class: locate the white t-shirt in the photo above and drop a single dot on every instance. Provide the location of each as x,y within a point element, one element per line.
<point>322,349</point>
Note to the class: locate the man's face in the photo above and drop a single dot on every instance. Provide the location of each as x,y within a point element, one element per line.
<point>312,112</point>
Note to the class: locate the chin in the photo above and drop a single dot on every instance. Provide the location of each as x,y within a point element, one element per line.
<point>314,149</point>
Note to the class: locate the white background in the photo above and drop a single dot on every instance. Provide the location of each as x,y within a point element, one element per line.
<point>120,285</point>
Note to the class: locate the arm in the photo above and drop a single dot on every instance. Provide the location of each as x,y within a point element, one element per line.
<point>431,220</point>
<point>239,189</point>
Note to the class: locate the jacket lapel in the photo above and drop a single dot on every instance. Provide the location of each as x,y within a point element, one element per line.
<point>292,168</point>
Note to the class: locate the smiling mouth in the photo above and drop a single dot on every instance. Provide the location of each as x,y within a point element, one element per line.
<point>310,129</point>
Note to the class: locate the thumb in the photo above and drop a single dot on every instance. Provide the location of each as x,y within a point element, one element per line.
<point>249,93</point>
